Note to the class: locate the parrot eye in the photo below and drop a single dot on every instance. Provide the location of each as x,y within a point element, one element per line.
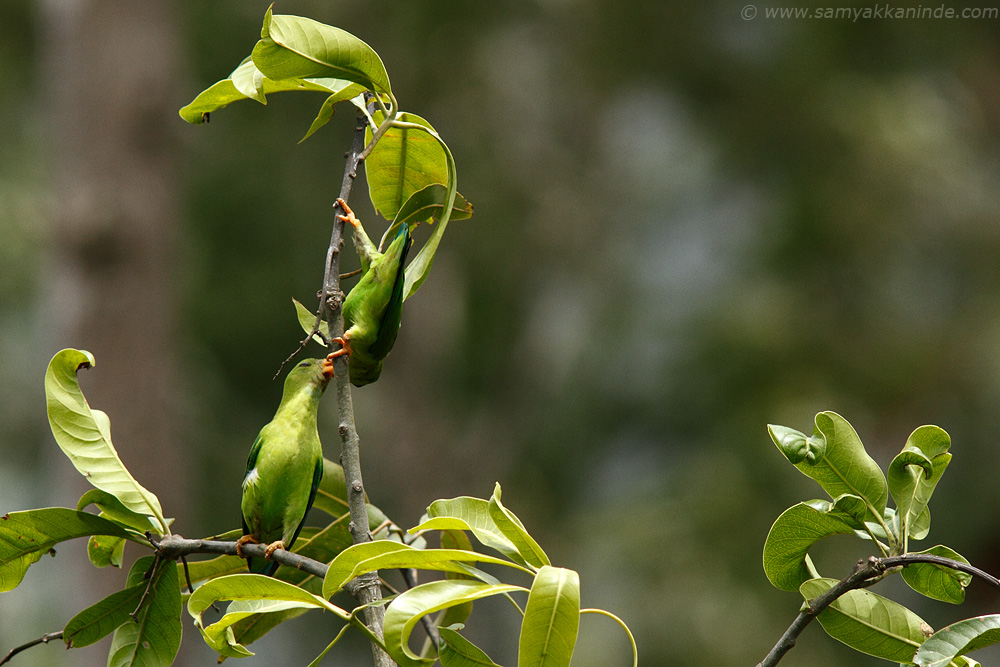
<point>303,364</point>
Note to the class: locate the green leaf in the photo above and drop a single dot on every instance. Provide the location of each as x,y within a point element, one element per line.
<point>915,472</point>
<point>26,536</point>
<point>403,162</point>
<point>551,619</point>
<point>113,510</point>
<point>103,550</point>
<point>386,555</point>
<point>957,639</point>
<point>409,607</point>
<point>472,514</point>
<point>257,594</point>
<point>154,640</point>
<point>793,534</point>
<point>306,320</point>
<point>836,459</point>
<point>293,47</point>
<point>937,581</point>
<point>457,651</point>
<point>202,570</point>
<point>325,113</point>
<point>514,530</point>
<point>248,82</point>
<point>100,620</point>
<point>84,435</point>
<point>427,204</point>
<point>868,623</point>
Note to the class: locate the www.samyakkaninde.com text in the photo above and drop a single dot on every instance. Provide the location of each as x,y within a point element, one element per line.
<point>885,11</point>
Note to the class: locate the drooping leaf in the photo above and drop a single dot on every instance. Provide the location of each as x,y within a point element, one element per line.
<point>112,509</point>
<point>248,82</point>
<point>27,536</point>
<point>551,619</point>
<point>915,472</point>
<point>306,320</point>
<point>793,534</point>
<point>84,435</point>
<point>404,161</point>
<point>409,607</point>
<point>472,514</point>
<point>836,459</point>
<point>937,581</point>
<point>104,550</point>
<point>152,641</point>
<point>957,639</point>
<point>868,623</point>
<point>457,651</point>
<point>385,554</point>
<point>293,47</point>
<point>101,619</point>
<point>514,530</point>
<point>257,594</point>
<point>427,204</point>
<point>325,113</point>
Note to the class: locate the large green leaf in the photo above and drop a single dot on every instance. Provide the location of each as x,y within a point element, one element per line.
<point>457,651</point>
<point>153,640</point>
<point>514,530</point>
<point>915,472</point>
<point>957,639</point>
<point>551,619</point>
<point>84,435</point>
<point>403,162</point>
<point>472,514</point>
<point>385,555</point>
<point>868,623</point>
<point>256,594</point>
<point>836,459</point>
<point>293,47</point>
<point>408,608</point>
<point>937,581</point>
<point>100,620</point>
<point>247,82</point>
<point>27,536</point>
<point>793,534</point>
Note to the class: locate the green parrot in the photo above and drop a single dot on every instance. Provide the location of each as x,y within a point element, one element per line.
<point>373,307</point>
<point>285,466</point>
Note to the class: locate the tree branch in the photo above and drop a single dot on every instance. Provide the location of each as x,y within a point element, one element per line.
<point>331,301</point>
<point>44,639</point>
<point>865,574</point>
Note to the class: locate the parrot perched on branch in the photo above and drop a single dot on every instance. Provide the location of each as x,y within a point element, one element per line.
<point>373,307</point>
<point>285,466</point>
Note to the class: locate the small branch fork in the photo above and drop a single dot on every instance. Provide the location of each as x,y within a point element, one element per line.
<point>865,573</point>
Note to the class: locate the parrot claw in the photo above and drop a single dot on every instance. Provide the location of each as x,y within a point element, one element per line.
<point>348,216</point>
<point>345,348</point>
<point>271,548</point>
<point>246,539</point>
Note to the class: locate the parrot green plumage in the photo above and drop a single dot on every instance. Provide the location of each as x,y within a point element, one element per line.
<point>373,307</point>
<point>285,465</point>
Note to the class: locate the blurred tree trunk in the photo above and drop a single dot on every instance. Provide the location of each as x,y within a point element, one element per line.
<point>110,69</point>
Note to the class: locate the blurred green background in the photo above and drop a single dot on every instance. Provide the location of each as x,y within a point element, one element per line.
<point>688,225</point>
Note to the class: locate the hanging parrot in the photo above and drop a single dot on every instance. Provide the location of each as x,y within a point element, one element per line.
<point>373,307</point>
<point>285,466</point>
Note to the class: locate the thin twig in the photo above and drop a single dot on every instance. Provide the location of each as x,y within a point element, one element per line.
<point>44,639</point>
<point>171,547</point>
<point>151,575</point>
<point>865,573</point>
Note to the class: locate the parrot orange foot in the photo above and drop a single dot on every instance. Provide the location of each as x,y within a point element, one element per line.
<point>246,539</point>
<point>327,366</point>
<point>271,548</point>
<point>345,348</point>
<point>348,216</point>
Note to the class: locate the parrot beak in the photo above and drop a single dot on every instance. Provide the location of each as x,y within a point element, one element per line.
<point>328,368</point>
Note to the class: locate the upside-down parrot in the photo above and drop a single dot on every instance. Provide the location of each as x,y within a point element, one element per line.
<point>373,307</point>
<point>285,466</point>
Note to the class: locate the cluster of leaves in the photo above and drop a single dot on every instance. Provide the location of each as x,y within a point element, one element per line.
<point>145,616</point>
<point>836,459</point>
<point>409,169</point>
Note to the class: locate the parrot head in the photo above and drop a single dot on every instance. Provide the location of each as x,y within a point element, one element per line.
<point>314,372</point>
